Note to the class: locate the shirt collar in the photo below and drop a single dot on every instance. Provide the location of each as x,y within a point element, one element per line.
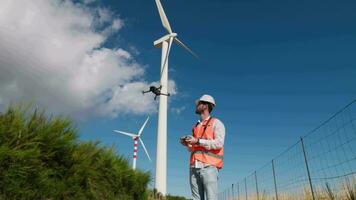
<point>200,121</point>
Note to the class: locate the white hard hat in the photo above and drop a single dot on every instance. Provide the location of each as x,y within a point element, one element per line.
<point>206,98</point>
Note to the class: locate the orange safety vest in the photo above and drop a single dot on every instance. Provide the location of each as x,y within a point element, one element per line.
<point>212,156</point>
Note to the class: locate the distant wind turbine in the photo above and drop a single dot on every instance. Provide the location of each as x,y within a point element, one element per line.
<point>136,137</point>
<point>165,43</point>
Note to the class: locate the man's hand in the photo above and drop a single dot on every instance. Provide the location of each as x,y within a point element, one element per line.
<point>192,140</point>
<point>183,142</point>
<point>188,140</point>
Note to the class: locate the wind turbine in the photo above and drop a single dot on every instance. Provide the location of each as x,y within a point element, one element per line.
<point>136,137</point>
<point>165,43</point>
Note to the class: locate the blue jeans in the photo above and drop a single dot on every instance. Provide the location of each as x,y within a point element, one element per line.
<point>204,183</point>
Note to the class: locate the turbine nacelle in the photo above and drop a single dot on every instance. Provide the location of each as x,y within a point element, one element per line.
<point>158,43</point>
<point>170,38</point>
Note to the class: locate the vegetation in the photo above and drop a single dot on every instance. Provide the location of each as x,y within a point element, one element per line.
<point>41,158</point>
<point>343,190</point>
<point>171,197</point>
<point>154,195</point>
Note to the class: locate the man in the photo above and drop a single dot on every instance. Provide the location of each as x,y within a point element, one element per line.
<point>207,149</point>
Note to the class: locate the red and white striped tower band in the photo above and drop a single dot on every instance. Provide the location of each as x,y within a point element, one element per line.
<point>135,153</point>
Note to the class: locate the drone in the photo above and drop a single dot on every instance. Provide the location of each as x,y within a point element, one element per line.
<point>156,90</point>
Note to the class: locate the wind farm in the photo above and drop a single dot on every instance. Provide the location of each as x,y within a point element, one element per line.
<point>169,99</point>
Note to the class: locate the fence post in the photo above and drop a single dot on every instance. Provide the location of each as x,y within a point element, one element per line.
<point>306,164</point>
<point>232,191</point>
<point>245,189</point>
<point>274,178</point>
<point>238,191</point>
<point>256,185</point>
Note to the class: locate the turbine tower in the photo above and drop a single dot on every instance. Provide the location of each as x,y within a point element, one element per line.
<point>136,137</point>
<point>165,44</point>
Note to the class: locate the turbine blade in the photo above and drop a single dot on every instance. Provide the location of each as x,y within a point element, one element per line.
<point>163,16</point>
<point>143,126</point>
<point>166,58</point>
<point>180,43</point>
<point>126,133</point>
<point>144,148</point>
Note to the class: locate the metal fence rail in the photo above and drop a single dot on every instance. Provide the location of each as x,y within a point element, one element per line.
<point>321,165</point>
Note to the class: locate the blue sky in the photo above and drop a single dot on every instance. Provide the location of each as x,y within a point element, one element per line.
<point>277,69</point>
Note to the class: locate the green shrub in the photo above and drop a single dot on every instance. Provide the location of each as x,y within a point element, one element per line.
<point>42,158</point>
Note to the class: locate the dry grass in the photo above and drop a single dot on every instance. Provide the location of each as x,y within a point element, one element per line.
<point>342,191</point>
<point>350,187</point>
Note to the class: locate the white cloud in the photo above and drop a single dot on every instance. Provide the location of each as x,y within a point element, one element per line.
<point>88,1</point>
<point>51,52</point>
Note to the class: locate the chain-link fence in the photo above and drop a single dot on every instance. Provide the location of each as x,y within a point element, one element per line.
<point>321,165</point>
